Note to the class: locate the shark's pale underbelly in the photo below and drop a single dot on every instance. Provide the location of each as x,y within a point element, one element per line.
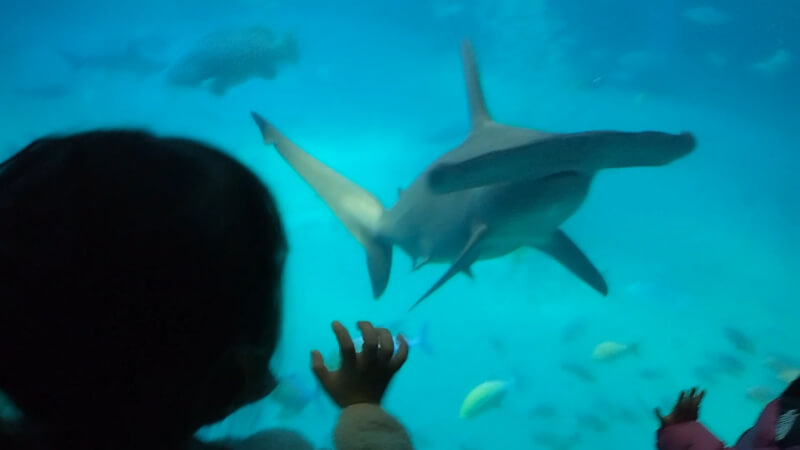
<point>531,212</point>
<point>517,215</point>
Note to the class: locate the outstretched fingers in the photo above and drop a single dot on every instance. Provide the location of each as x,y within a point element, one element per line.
<point>694,396</point>
<point>402,354</point>
<point>370,349</point>
<point>699,398</point>
<point>385,345</point>
<point>346,347</point>
<point>318,367</point>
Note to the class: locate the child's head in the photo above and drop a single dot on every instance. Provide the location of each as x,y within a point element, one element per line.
<point>793,391</point>
<point>139,285</point>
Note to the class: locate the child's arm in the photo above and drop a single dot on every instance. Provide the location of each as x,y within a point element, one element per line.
<point>366,426</point>
<point>680,429</point>
<point>687,435</point>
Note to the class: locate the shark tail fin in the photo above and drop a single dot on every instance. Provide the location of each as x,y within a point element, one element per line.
<point>478,113</point>
<point>359,210</point>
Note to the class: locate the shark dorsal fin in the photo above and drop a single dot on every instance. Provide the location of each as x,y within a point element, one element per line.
<point>478,113</point>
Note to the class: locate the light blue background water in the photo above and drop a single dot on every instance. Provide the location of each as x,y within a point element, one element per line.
<point>706,243</point>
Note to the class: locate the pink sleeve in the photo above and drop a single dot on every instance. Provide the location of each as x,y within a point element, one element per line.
<point>687,435</point>
<point>366,426</point>
<point>764,428</point>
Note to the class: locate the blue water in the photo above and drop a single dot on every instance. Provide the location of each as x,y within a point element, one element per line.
<point>689,249</point>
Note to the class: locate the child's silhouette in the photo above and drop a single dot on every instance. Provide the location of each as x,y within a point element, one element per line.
<point>140,282</point>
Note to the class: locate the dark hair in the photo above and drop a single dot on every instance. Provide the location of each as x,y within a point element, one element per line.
<point>793,391</point>
<point>129,265</point>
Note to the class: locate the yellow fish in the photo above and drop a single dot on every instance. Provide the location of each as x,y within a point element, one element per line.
<point>788,375</point>
<point>609,350</point>
<point>484,397</point>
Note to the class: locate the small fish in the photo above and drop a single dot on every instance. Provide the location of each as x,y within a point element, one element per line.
<point>761,394</point>
<point>651,374</point>
<point>497,344</point>
<point>775,64</point>
<point>485,397</point>
<point>729,363</point>
<point>788,375</point>
<point>334,359</point>
<point>573,330</point>
<point>579,371</point>
<point>592,421</point>
<point>585,84</point>
<point>706,374</point>
<point>610,350</point>
<point>131,59</point>
<point>555,441</point>
<point>542,412</point>
<point>706,15</point>
<point>777,362</point>
<point>293,395</point>
<point>612,409</point>
<point>739,340</point>
<point>627,415</point>
<point>420,341</point>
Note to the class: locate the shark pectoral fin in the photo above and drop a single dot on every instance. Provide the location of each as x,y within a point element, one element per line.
<point>586,152</point>
<point>379,264</point>
<point>468,255</point>
<point>561,248</point>
<point>354,206</point>
<point>419,263</point>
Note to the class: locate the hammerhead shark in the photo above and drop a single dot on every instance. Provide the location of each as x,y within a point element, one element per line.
<point>501,189</point>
